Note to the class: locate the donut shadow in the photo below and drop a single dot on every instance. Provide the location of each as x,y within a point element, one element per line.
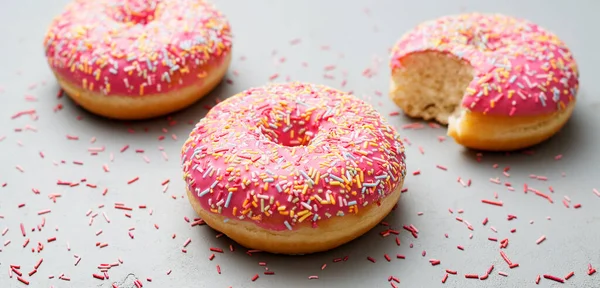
<point>372,244</point>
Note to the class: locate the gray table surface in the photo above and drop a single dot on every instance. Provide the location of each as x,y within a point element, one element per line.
<point>277,37</point>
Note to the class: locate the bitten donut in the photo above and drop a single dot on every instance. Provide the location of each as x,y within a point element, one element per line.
<point>137,59</point>
<point>293,168</point>
<point>500,83</point>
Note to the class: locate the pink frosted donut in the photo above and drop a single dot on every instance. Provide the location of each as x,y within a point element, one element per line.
<point>135,59</point>
<point>500,83</point>
<point>293,168</point>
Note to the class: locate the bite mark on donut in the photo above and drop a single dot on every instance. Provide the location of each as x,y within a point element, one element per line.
<point>430,85</point>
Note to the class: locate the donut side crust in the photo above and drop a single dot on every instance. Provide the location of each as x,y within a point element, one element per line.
<point>496,133</point>
<point>303,239</point>
<point>123,107</point>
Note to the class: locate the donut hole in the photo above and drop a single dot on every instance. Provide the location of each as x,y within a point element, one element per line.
<point>430,85</point>
<point>133,11</point>
<point>289,126</point>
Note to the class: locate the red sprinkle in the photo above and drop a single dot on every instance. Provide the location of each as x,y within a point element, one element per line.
<point>569,275</point>
<point>554,278</point>
<point>218,250</point>
<point>497,203</point>
<point>505,258</point>
<point>23,280</point>
<point>37,265</point>
<point>540,240</point>
<point>187,242</point>
<point>387,257</point>
<point>133,180</point>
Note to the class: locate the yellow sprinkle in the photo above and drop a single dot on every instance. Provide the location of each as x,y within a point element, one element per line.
<point>346,181</point>
<point>304,217</point>
<point>510,93</point>
<point>281,208</point>
<point>304,189</point>
<point>334,183</point>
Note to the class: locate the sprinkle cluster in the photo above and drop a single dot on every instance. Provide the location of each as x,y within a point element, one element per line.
<point>292,153</point>
<point>520,69</point>
<point>137,47</point>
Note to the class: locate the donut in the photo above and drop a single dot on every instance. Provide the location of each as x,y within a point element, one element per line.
<point>500,83</point>
<point>293,168</point>
<point>138,59</point>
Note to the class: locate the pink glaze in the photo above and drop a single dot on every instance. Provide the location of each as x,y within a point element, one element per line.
<point>520,69</point>
<point>290,153</point>
<point>137,47</point>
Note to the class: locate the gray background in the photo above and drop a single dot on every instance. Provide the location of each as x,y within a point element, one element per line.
<point>263,32</point>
